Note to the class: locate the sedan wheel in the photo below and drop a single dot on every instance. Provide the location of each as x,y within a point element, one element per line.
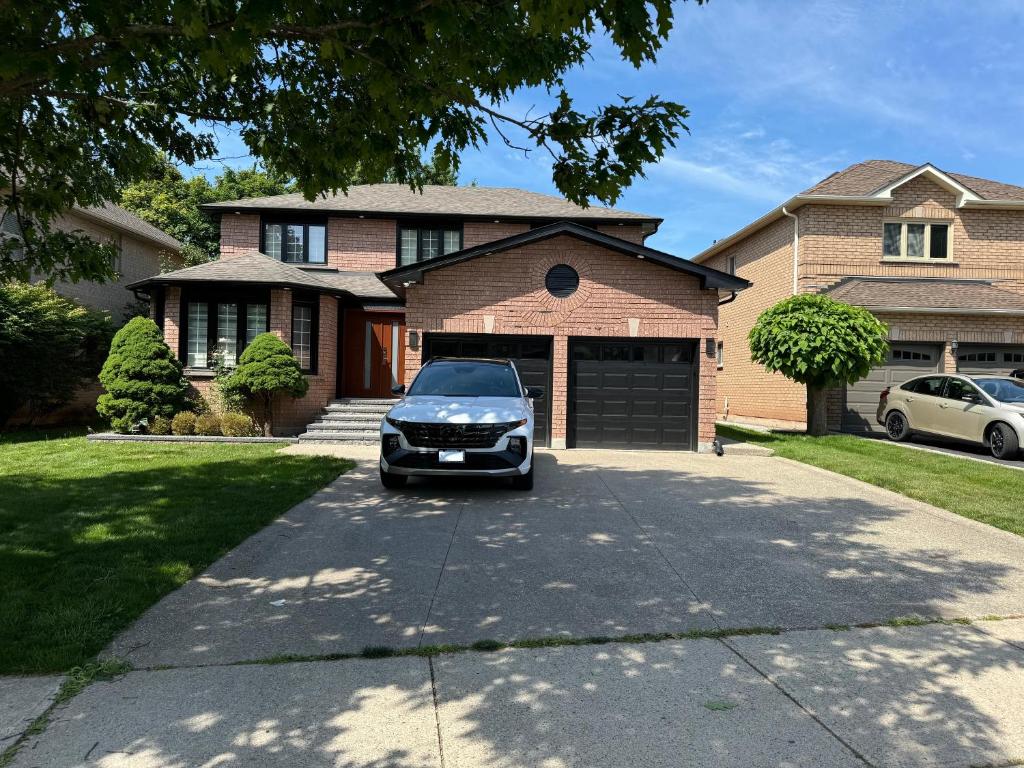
<point>896,426</point>
<point>1003,442</point>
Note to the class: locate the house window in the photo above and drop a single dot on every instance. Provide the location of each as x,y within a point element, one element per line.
<point>730,265</point>
<point>295,243</point>
<point>427,241</point>
<point>217,333</point>
<point>915,240</point>
<point>720,354</point>
<point>304,335</point>
<point>198,341</point>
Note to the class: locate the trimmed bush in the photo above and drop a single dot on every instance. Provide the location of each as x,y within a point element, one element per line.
<point>208,424</point>
<point>160,425</point>
<point>266,368</point>
<point>183,423</point>
<point>238,425</point>
<point>142,377</point>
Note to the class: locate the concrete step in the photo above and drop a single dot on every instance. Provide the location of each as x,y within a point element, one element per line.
<point>378,409</point>
<point>361,438</point>
<point>343,426</point>
<point>365,401</point>
<point>347,413</point>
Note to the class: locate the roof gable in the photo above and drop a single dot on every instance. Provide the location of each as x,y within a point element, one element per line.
<point>709,278</point>
<point>944,180</point>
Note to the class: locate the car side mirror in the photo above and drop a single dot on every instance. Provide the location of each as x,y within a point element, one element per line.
<point>399,390</point>
<point>535,393</point>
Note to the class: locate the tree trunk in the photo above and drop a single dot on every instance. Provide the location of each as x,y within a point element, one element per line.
<point>268,416</point>
<point>817,413</point>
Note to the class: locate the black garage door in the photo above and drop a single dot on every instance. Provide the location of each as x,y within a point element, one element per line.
<point>990,359</point>
<point>632,394</point>
<point>905,362</point>
<point>531,354</point>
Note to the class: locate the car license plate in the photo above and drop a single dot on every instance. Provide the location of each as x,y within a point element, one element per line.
<point>451,457</point>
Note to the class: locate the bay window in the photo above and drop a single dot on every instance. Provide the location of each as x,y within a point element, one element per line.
<point>419,242</point>
<point>295,242</point>
<point>217,332</point>
<point>915,240</point>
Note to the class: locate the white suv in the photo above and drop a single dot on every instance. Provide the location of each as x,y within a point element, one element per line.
<point>461,416</point>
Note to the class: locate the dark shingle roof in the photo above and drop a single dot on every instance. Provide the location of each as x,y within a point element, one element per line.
<point>435,200</point>
<point>871,175</point>
<point>118,217</point>
<point>926,293</point>
<point>256,268</point>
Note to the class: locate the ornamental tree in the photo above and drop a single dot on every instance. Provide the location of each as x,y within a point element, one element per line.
<point>141,376</point>
<point>321,92</point>
<point>822,343</point>
<point>267,368</point>
<point>49,346</point>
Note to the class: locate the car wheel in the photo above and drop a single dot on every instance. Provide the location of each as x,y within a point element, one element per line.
<point>524,482</point>
<point>1003,443</point>
<point>896,426</point>
<point>390,480</point>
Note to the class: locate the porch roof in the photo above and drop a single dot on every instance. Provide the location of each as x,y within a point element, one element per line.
<point>937,295</point>
<point>255,268</point>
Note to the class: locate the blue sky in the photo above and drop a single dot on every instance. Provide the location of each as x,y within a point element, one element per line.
<point>783,92</point>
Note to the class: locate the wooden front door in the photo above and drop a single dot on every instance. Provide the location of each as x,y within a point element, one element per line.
<point>373,354</point>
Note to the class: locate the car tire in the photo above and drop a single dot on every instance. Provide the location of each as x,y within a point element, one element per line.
<point>897,428</point>
<point>524,482</point>
<point>392,481</point>
<point>1003,442</point>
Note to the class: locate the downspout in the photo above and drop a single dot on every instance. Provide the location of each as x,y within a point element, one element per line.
<point>796,247</point>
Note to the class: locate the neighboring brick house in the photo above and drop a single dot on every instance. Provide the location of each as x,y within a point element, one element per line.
<point>368,285</point>
<point>939,257</point>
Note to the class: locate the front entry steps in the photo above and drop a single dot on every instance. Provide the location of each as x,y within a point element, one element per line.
<point>349,420</point>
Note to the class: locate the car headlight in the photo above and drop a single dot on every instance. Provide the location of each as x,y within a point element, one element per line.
<point>515,424</point>
<point>396,423</point>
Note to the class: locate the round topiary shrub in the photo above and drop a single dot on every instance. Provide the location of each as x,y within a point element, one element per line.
<point>208,424</point>
<point>238,425</point>
<point>183,423</point>
<point>265,369</point>
<point>159,425</point>
<point>141,376</point>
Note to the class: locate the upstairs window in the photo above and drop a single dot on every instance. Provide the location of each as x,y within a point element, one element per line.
<point>915,240</point>
<point>427,241</point>
<point>295,243</point>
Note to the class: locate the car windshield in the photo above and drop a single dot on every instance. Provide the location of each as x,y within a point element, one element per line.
<point>1003,390</point>
<point>453,378</point>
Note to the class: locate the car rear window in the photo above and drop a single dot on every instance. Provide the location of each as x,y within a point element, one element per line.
<point>470,378</point>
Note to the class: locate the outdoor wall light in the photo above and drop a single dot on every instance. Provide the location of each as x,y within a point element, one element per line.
<point>414,340</point>
<point>710,347</point>
<point>954,345</point>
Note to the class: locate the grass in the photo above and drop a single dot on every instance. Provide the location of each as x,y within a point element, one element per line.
<point>92,534</point>
<point>985,492</point>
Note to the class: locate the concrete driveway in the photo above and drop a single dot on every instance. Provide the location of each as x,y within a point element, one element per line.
<point>609,543</point>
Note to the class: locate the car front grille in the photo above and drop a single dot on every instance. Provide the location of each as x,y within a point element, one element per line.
<point>453,435</point>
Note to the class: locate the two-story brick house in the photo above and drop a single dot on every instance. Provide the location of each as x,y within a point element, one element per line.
<point>368,285</point>
<point>938,257</point>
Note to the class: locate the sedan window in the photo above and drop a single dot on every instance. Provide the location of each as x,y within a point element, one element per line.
<point>930,385</point>
<point>958,389</point>
<point>1004,390</point>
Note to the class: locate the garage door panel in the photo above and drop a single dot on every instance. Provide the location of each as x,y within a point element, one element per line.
<point>531,355</point>
<point>989,359</point>
<point>642,401</point>
<point>906,360</point>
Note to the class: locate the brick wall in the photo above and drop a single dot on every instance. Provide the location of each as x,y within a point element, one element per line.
<point>505,294</point>
<point>745,389</point>
<point>631,232</point>
<point>239,234</point>
<point>479,232</point>
<point>361,245</point>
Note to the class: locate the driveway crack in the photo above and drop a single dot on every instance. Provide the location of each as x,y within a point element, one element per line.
<point>800,706</point>
<point>658,549</point>
<point>437,710</point>
<point>440,575</point>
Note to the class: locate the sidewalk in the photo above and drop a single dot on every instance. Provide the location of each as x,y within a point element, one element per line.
<point>950,695</point>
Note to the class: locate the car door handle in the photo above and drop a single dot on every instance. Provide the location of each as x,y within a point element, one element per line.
<point>910,399</point>
<point>943,405</point>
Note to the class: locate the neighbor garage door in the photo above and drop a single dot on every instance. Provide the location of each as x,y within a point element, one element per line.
<point>905,361</point>
<point>991,359</point>
<point>531,354</point>
<point>632,394</point>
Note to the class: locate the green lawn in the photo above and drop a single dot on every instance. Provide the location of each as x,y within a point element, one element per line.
<point>92,534</point>
<point>986,492</point>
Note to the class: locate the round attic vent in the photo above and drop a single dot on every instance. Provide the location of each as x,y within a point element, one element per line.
<point>562,281</point>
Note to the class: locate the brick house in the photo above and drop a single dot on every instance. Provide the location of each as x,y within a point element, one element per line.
<point>367,286</point>
<point>937,256</point>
